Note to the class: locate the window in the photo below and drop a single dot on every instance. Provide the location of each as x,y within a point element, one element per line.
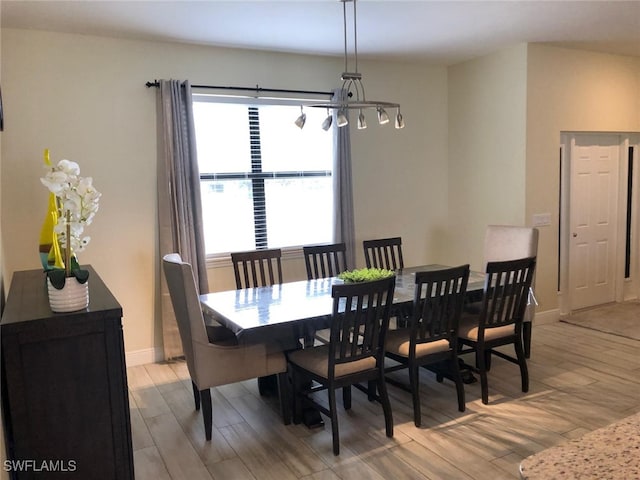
<point>265,183</point>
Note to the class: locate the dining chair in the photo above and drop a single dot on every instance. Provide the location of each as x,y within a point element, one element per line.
<point>322,261</point>
<point>211,363</point>
<point>354,354</point>
<point>387,253</point>
<point>509,242</point>
<point>431,340</point>
<point>500,319</point>
<point>261,268</point>
<point>257,268</point>
<point>384,253</point>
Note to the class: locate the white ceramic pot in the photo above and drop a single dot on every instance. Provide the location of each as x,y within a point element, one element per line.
<point>72,297</point>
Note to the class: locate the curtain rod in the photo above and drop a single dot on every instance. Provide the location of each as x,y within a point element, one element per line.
<point>256,89</point>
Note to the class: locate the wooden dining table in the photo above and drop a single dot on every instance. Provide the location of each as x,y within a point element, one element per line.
<point>290,311</point>
<point>293,308</point>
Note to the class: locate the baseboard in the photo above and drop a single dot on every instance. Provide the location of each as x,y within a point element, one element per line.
<point>549,316</point>
<point>143,357</point>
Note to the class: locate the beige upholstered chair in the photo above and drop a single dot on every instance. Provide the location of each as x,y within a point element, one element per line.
<point>431,340</point>
<point>507,242</point>
<point>349,358</point>
<point>500,319</point>
<point>212,364</point>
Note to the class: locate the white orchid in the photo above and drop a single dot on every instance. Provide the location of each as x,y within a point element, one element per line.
<point>77,202</point>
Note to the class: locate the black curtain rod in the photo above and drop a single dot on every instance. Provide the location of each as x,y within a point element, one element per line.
<point>256,89</point>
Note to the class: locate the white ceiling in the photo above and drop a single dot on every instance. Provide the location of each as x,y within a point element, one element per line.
<point>443,32</point>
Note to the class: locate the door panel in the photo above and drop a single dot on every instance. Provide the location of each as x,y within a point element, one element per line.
<point>593,216</point>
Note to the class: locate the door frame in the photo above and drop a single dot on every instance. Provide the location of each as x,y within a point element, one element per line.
<point>625,288</point>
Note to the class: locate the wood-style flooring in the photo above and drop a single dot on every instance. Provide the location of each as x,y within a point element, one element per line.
<point>580,380</point>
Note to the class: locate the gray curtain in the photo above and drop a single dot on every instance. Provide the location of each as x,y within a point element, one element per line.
<point>179,207</point>
<point>343,219</point>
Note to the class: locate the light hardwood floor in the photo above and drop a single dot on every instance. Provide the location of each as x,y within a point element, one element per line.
<point>580,380</point>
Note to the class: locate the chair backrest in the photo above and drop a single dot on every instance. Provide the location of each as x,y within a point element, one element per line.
<point>360,321</point>
<point>186,305</point>
<point>508,242</point>
<point>437,305</point>
<point>506,291</point>
<point>324,261</point>
<point>384,253</point>
<point>257,268</point>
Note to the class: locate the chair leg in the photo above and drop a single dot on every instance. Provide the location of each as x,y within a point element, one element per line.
<point>522,362</point>
<point>285,400</point>
<point>196,395</point>
<point>526,338</point>
<point>205,396</point>
<point>487,359</point>
<point>346,397</point>
<point>415,394</point>
<point>386,405</point>
<point>295,396</point>
<point>371,390</point>
<point>457,378</point>
<point>331,392</point>
<point>482,370</point>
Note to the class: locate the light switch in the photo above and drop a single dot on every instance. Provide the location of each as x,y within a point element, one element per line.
<point>541,219</point>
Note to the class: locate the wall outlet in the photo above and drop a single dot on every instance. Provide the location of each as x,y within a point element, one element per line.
<point>541,219</point>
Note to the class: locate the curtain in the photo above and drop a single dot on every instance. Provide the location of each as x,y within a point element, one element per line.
<point>343,219</point>
<point>179,207</point>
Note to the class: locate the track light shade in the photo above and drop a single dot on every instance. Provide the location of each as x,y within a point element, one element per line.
<point>383,116</point>
<point>342,119</point>
<point>399,121</point>
<point>362,122</point>
<point>326,124</point>
<point>300,121</point>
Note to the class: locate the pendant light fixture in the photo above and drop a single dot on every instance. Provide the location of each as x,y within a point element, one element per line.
<point>354,97</point>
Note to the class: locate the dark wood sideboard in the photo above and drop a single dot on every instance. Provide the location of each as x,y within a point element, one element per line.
<point>64,385</point>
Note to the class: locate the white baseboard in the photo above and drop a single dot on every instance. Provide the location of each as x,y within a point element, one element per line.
<point>143,357</point>
<point>548,316</point>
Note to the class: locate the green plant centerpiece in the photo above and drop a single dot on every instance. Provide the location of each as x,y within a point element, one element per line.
<point>73,203</point>
<point>365,275</point>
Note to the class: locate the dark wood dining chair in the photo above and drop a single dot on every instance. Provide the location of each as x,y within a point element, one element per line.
<point>384,253</point>
<point>349,358</point>
<point>500,319</point>
<point>324,261</point>
<point>431,339</point>
<point>260,268</point>
<point>387,253</point>
<point>257,268</point>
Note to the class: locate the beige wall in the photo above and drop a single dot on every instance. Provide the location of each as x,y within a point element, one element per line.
<point>477,133</point>
<point>84,98</point>
<point>506,113</point>
<point>487,115</point>
<point>570,90</point>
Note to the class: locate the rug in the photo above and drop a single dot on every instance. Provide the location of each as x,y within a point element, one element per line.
<point>622,319</point>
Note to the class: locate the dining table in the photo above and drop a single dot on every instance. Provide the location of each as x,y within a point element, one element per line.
<point>290,309</point>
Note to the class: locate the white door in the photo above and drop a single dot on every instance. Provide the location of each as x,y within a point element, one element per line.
<point>593,219</point>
